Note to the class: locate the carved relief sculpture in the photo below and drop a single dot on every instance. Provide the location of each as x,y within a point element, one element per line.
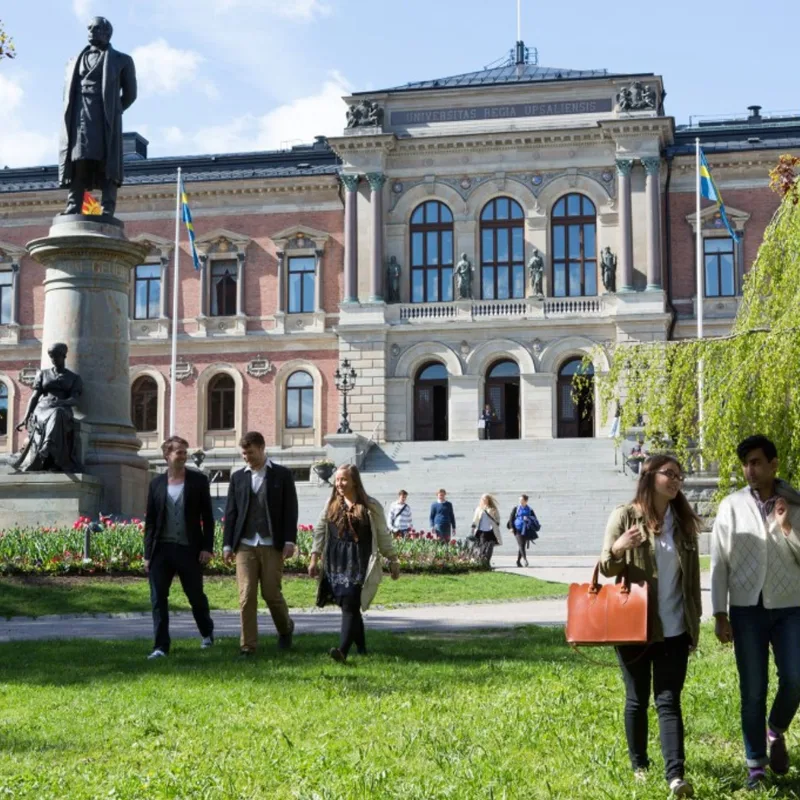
<point>637,97</point>
<point>536,273</point>
<point>608,268</point>
<point>393,272</point>
<point>463,279</point>
<point>365,114</point>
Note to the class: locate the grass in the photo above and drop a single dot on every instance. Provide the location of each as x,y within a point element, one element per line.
<point>458,716</point>
<point>705,563</point>
<point>77,595</point>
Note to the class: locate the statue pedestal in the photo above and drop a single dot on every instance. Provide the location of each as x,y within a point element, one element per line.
<point>44,499</point>
<point>89,263</point>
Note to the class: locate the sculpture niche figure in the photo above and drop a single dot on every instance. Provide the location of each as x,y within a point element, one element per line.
<point>101,84</point>
<point>536,272</point>
<point>608,269</point>
<point>50,420</point>
<point>463,279</point>
<point>393,271</point>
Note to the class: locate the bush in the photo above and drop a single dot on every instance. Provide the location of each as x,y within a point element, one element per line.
<point>117,547</point>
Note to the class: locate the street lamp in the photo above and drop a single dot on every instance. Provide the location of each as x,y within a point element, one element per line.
<point>345,378</point>
<point>198,457</point>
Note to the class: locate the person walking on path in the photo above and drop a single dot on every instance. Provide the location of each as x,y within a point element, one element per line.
<point>523,523</point>
<point>486,527</point>
<point>178,539</point>
<point>656,538</point>
<point>400,514</point>
<point>487,418</point>
<point>349,539</point>
<point>442,517</point>
<point>259,534</point>
<point>755,566</point>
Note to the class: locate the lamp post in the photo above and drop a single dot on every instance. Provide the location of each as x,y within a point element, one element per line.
<point>198,457</point>
<point>345,378</point>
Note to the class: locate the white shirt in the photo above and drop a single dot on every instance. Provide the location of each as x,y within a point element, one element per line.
<point>257,477</point>
<point>486,523</point>
<point>175,490</point>
<point>670,591</point>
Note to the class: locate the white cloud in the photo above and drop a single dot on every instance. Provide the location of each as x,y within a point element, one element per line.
<point>163,69</point>
<point>82,9</point>
<point>20,146</point>
<point>298,10</point>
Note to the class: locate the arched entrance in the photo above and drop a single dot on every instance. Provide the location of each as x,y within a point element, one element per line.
<point>430,403</point>
<point>502,393</point>
<point>575,415</point>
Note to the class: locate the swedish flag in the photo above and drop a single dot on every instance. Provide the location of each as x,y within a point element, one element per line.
<point>708,189</point>
<point>187,218</point>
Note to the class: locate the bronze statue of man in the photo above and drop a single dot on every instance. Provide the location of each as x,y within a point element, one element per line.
<point>101,84</point>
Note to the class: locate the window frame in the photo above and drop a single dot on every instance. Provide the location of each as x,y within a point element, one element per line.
<point>309,301</point>
<point>732,252</point>
<point>425,229</point>
<point>565,221</point>
<point>154,392</point>
<point>5,395</point>
<point>148,281</point>
<point>10,289</point>
<point>300,391</point>
<point>510,265</point>
<point>234,287</point>
<point>222,393</point>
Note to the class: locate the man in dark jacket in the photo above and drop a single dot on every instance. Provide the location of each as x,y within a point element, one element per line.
<point>178,538</point>
<point>260,532</point>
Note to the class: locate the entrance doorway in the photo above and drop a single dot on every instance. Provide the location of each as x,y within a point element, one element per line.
<point>575,414</point>
<point>502,393</point>
<point>430,403</point>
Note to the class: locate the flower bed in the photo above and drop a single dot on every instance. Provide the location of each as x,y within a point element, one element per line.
<point>118,548</point>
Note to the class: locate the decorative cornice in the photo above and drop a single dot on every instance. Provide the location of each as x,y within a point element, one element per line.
<point>343,146</point>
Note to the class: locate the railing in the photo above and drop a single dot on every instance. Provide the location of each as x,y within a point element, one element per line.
<point>428,311</point>
<point>529,308</point>
<point>500,308</point>
<point>570,306</point>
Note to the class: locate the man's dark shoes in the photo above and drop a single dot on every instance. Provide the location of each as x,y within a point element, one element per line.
<point>778,755</point>
<point>337,655</point>
<point>285,641</point>
<point>246,654</point>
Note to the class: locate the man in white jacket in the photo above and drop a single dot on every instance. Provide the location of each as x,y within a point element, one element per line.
<point>755,567</point>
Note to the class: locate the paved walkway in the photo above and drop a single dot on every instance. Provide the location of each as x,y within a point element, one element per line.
<point>455,617</point>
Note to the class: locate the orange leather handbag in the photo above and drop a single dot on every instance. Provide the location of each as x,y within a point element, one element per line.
<point>611,614</point>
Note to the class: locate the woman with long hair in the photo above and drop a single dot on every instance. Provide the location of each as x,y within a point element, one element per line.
<point>655,538</point>
<point>349,540</point>
<point>486,527</point>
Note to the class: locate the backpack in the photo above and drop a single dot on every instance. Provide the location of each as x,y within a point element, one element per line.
<point>530,525</point>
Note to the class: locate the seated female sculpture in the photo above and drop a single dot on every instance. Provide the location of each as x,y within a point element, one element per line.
<point>50,419</point>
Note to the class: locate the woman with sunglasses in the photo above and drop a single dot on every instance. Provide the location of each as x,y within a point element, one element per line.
<point>655,537</point>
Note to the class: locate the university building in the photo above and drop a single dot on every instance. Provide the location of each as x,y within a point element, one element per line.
<point>465,241</point>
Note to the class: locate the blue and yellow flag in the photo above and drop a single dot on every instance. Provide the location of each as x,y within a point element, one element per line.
<point>708,189</point>
<point>187,218</point>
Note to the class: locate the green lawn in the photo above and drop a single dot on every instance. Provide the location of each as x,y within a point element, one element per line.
<point>428,716</point>
<point>705,563</point>
<point>38,596</point>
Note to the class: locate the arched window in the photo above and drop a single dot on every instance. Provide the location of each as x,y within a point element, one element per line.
<point>502,249</point>
<point>3,410</point>
<point>221,403</point>
<point>574,221</point>
<point>300,400</point>
<point>144,404</point>
<point>431,253</point>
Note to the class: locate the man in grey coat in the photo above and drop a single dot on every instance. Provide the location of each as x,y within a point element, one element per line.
<point>100,85</point>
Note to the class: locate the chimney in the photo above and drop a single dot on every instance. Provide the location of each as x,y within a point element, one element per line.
<point>134,147</point>
<point>755,113</point>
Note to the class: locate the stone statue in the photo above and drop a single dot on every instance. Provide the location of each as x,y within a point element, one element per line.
<point>608,268</point>
<point>49,418</point>
<point>536,272</point>
<point>393,271</point>
<point>463,279</point>
<point>637,97</point>
<point>101,84</point>
<point>365,114</point>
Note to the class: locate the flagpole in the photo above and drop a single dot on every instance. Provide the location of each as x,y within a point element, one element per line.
<point>175,290</point>
<point>699,301</point>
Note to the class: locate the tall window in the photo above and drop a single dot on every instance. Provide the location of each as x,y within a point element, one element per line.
<point>6,288</point>
<point>144,404</point>
<point>300,401</point>
<point>223,288</point>
<point>574,247</point>
<point>302,271</point>
<point>147,291</point>
<point>719,266</point>
<point>431,253</point>
<point>502,250</point>
<point>3,410</point>
<point>221,403</point>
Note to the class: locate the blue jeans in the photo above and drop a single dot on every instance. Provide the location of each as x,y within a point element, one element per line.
<point>754,629</point>
<point>442,531</point>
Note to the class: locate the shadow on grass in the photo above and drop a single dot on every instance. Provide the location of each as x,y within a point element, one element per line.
<point>80,661</point>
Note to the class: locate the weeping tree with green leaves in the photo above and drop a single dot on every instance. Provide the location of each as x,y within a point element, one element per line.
<point>6,44</point>
<point>750,378</point>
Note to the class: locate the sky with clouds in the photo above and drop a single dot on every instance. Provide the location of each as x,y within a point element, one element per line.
<point>220,76</point>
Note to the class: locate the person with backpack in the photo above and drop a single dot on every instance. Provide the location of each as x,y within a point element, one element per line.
<point>400,514</point>
<point>522,521</point>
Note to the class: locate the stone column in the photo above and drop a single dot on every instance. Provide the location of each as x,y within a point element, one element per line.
<point>86,289</point>
<point>240,284</point>
<point>376,182</point>
<point>350,238</point>
<point>281,290</point>
<point>653,197</point>
<point>164,296</point>
<point>318,280</point>
<point>625,280</point>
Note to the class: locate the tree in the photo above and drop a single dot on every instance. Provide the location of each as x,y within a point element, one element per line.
<point>6,44</point>
<point>750,377</point>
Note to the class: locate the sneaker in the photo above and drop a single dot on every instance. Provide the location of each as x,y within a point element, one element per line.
<point>778,755</point>
<point>337,655</point>
<point>640,775</point>
<point>208,641</point>
<point>157,653</point>
<point>678,787</point>
<point>756,778</point>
